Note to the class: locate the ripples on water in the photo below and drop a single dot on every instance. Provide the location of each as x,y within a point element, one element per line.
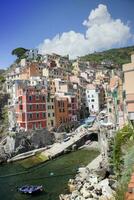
<point>53,175</point>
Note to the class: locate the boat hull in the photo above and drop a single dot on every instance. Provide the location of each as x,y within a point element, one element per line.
<point>30,189</point>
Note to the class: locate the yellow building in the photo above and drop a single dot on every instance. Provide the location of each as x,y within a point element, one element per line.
<point>50,111</point>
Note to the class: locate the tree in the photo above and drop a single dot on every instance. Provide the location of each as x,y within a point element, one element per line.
<point>19,52</point>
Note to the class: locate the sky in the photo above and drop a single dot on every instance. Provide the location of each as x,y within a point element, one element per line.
<point>74,27</point>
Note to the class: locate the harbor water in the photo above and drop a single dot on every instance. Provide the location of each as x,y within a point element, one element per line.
<point>53,175</point>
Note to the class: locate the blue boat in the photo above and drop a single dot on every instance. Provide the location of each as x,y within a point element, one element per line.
<point>30,189</point>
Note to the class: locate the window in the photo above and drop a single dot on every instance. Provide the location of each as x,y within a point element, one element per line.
<point>43,106</point>
<point>43,98</point>
<point>88,96</point>
<point>37,97</point>
<point>110,110</point>
<point>53,114</point>
<point>20,107</point>
<point>37,115</point>
<point>92,100</point>
<point>30,116</point>
<point>48,114</point>
<point>92,96</point>
<point>49,107</point>
<point>34,126</point>
<point>48,99</point>
<point>30,98</point>
<point>52,107</point>
<point>92,106</point>
<point>44,115</point>
<point>52,123</point>
<point>39,125</point>
<point>37,106</point>
<point>72,100</point>
<point>52,100</point>
<point>30,107</point>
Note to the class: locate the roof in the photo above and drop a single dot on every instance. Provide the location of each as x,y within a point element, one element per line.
<point>74,79</point>
<point>91,87</point>
<point>114,82</point>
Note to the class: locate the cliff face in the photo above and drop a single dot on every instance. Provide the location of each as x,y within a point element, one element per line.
<point>117,56</point>
<point>3,103</point>
<point>3,106</point>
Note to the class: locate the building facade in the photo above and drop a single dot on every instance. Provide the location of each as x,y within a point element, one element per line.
<point>128,70</point>
<point>29,106</point>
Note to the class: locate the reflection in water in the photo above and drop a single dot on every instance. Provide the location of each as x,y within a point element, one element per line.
<point>53,175</point>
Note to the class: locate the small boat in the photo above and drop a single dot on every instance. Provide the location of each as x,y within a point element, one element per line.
<point>30,189</point>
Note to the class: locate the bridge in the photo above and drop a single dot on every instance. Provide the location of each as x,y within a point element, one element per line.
<point>77,136</point>
<point>59,148</point>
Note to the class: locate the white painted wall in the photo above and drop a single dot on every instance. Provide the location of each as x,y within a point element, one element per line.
<point>92,100</point>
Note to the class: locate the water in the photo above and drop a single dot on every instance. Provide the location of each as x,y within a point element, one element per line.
<point>53,175</point>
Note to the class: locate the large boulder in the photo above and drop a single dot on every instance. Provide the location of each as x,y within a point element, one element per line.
<point>26,141</point>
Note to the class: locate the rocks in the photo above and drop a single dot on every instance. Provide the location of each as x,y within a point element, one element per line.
<point>91,185</point>
<point>26,141</point>
<point>3,155</point>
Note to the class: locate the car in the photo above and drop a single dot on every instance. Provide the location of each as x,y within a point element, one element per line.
<point>66,139</point>
<point>88,142</point>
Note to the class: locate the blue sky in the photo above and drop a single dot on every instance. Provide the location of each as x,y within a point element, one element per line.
<point>27,23</point>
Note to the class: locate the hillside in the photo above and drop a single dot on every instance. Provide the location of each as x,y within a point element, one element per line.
<point>117,56</point>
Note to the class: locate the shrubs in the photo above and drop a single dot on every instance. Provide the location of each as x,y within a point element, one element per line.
<point>121,138</point>
<point>122,158</point>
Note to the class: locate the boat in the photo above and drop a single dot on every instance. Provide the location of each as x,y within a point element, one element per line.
<point>30,189</point>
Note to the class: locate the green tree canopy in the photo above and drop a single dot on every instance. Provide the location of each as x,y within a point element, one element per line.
<point>19,52</point>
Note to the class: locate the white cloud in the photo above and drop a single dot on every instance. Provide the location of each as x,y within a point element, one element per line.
<point>102,32</point>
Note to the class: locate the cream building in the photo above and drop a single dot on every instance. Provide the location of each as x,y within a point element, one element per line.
<point>50,112</point>
<point>128,70</point>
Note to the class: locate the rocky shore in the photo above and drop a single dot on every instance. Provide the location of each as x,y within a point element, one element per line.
<point>92,182</point>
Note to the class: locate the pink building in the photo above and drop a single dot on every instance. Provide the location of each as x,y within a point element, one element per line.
<point>30,106</point>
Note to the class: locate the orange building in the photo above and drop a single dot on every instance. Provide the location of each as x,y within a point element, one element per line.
<point>61,110</point>
<point>30,70</point>
<point>66,109</point>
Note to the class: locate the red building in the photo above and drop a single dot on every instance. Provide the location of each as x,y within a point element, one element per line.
<point>31,107</point>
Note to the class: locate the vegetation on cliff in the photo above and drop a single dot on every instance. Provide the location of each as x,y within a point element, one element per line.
<point>122,156</point>
<point>3,102</point>
<point>117,56</point>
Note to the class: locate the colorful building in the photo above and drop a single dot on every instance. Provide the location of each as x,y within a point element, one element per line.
<point>28,106</point>
<point>30,70</point>
<point>95,98</point>
<point>50,111</point>
<point>128,70</point>
<point>66,109</point>
<point>55,72</point>
<point>61,110</point>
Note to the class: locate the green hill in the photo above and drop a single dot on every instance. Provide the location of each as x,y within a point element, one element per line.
<point>117,56</point>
